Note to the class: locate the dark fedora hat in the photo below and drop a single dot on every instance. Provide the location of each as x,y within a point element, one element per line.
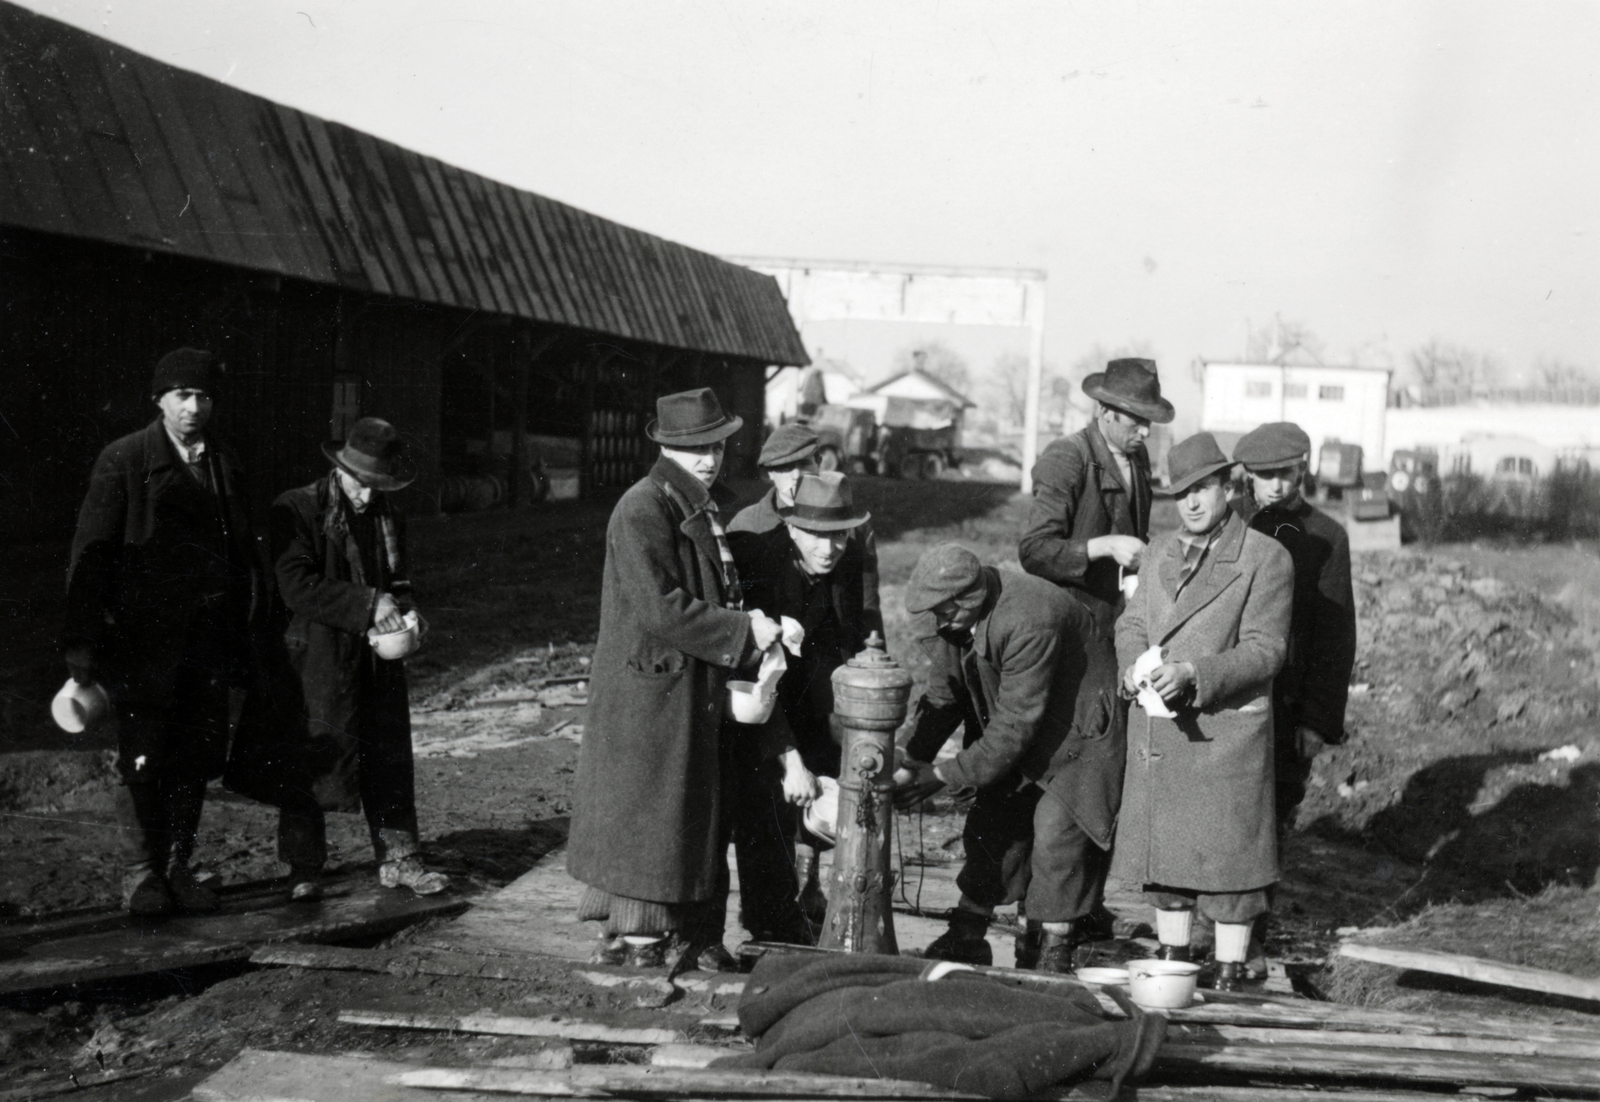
<point>690,419</point>
<point>1131,385</point>
<point>823,503</point>
<point>370,454</point>
<point>1192,460</point>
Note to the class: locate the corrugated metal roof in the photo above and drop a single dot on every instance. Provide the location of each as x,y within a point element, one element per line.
<point>100,142</point>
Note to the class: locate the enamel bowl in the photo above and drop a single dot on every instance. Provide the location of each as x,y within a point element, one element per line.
<point>1104,977</point>
<point>398,644</point>
<point>1162,984</point>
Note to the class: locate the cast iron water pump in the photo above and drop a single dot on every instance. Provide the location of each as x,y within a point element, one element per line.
<point>869,696</point>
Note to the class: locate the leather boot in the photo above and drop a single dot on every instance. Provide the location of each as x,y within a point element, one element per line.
<point>1027,946</point>
<point>185,801</point>
<point>1230,976</point>
<point>1173,952</point>
<point>1056,949</point>
<point>143,837</point>
<point>964,941</point>
<point>400,864</point>
<point>813,903</point>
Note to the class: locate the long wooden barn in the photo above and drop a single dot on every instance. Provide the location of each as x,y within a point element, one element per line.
<point>143,207</point>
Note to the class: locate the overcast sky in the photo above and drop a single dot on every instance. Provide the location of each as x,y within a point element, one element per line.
<point>1385,173</point>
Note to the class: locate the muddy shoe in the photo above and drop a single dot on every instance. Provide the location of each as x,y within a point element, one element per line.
<point>188,894</point>
<point>410,872</point>
<point>1056,952</point>
<point>145,893</point>
<point>963,942</point>
<point>1229,977</point>
<point>609,950</point>
<point>716,958</point>
<point>646,952</point>
<point>305,885</point>
<point>1027,947</point>
<point>1173,952</point>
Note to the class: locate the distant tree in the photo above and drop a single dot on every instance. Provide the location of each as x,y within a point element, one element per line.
<point>938,360</point>
<point>1442,364</point>
<point>1556,374</point>
<point>1008,384</point>
<point>1276,341</point>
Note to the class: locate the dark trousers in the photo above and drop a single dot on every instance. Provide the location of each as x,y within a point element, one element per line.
<point>1290,770</point>
<point>762,827</point>
<point>165,755</point>
<point>1024,845</point>
<point>386,780</point>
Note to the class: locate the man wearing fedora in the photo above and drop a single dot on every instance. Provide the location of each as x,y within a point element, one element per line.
<point>163,582</point>
<point>1019,664</point>
<point>791,451</point>
<point>1090,518</point>
<point>810,568</point>
<point>647,834</point>
<point>339,546</point>
<point>1197,826</point>
<point>1310,692</point>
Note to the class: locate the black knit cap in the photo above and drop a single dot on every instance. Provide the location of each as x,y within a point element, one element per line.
<point>186,369</point>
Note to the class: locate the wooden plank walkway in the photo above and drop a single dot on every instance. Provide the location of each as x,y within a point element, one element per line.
<point>94,946</point>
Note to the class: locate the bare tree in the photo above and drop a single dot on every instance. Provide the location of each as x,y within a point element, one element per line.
<point>1278,340</point>
<point>1008,380</point>
<point>1557,374</point>
<point>1442,364</point>
<point>938,360</point>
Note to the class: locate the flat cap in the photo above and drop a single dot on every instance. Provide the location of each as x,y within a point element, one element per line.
<point>789,443</point>
<point>949,570</point>
<point>1275,444</point>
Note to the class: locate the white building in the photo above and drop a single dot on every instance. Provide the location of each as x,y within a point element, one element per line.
<point>1346,405</point>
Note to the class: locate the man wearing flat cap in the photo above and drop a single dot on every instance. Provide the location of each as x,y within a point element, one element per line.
<point>809,569</point>
<point>791,451</point>
<point>1310,692</point>
<point>339,545</point>
<point>1020,664</point>
<point>163,582</point>
<point>1090,518</point>
<point>1197,826</point>
<point>647,825</point>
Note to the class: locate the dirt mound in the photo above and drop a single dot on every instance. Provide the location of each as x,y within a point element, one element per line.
<point>1472,745</point>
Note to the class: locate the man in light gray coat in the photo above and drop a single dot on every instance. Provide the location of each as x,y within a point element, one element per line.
<point>1197,827</point>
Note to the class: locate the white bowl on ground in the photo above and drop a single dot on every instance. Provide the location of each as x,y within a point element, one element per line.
<point>1162,984</point>
<point>1104,977</point>
<point>76,708</point>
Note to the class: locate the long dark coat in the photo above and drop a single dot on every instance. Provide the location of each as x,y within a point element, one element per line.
<point>150,543</point>
<point>1041,708</point>
<point>1079,494</point>
<point>326,640</point>
<point>774,583</point>
<point>1314,685</point>
<point>646,813</point>
<point>1197,803</point>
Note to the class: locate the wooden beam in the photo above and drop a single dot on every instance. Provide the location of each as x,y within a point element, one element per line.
<point>597,1080</point>
<point>1396,1042</point>
<point>403,962</point>
<point>564,1028</point>
<point>1381,1064</point>
<point>1477,969</point>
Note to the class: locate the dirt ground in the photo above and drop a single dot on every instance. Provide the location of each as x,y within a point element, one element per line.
<point>1463,812</point>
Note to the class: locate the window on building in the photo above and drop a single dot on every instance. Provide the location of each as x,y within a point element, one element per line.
<point>1294,390</point>
<point>1257,388</point>
<point>1331,393</point>
<point>1515,465</point>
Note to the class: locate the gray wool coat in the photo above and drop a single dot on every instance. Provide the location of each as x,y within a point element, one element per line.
<point>1037,693</point>
<point>645,816</point>
<point>1197,799</point>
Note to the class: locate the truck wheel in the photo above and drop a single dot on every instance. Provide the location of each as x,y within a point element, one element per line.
<point>932,466</point>
<point>828,459</point>
<point>911,467</point>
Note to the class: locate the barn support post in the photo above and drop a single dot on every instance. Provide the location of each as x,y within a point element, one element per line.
<point>1030,415</point>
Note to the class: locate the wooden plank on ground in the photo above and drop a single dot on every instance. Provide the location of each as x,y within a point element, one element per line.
<point>553,1026</point>
<point>256,1075</point>
<point>1380,1064</point>
<point>407,961</point>
<point>594,1080</point>
<point>91,947</point>
<point>1477,969</point>
<point>1397,1042</point>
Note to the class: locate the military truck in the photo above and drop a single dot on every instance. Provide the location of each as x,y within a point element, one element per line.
<point>895,437</point>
